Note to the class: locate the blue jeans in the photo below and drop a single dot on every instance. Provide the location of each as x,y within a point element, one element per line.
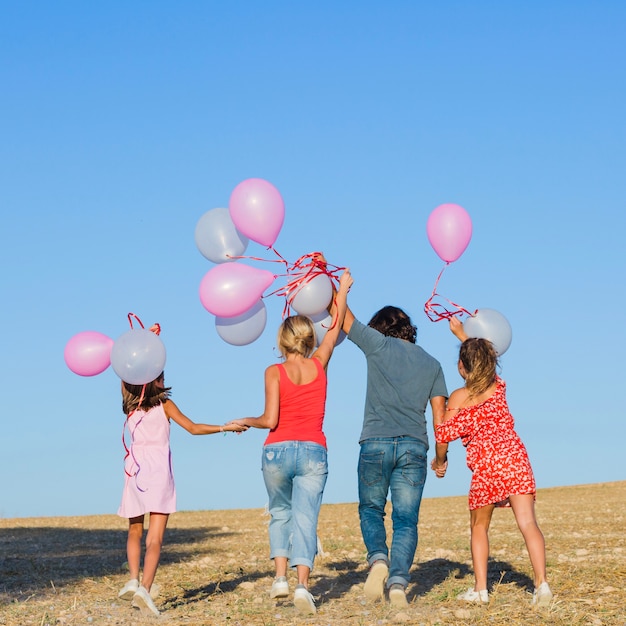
<point>295,474</point>
<point>397,464</point>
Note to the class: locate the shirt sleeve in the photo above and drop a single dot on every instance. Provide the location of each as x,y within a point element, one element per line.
<point>455,428</point>
<point>366,338</point>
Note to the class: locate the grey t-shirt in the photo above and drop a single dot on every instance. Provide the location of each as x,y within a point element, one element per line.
<point>401,379</point>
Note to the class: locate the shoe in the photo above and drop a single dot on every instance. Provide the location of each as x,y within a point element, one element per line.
<point>155,591</point>
<point>374,588</point>
<point>143,602</point>
<point>470,595</point>
<point>397,596</point>
<point>280,587</point>
<point>303,601</point>
<point>129,589</point>
<point>542,596</point>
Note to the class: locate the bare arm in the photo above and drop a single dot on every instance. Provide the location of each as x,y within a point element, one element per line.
<point>269,419</point>
<point>440,462</point>
<point>174,413</point>
<point>456,326</point>
<point>338,310</point>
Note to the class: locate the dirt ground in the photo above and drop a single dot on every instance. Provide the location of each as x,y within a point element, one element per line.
<point>215,568</point>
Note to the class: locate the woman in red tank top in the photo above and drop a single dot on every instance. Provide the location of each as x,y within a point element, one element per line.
<point>294,453</point>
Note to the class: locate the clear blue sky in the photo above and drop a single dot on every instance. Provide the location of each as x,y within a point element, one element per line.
<point>123,123</point>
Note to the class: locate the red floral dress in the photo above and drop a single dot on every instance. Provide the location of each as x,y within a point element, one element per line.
<point>495,453</point>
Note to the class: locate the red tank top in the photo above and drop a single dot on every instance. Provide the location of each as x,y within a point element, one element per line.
<point>302,407</point>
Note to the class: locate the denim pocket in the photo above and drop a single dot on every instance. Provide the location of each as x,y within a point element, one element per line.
<point>273,458</point>
<point>371,468</point>
<point>414,469</point>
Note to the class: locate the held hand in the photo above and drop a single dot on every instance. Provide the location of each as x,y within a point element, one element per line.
<point>235,427</point>
<point>456,326</point>
<point>439,469</point>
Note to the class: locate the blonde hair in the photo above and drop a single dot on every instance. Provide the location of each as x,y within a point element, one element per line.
<point>144,397</point>
<point>479,359</point>
<point>296,335</point>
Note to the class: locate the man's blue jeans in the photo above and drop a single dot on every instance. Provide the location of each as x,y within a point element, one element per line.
<point>295,474</point>
<point>396,464</point>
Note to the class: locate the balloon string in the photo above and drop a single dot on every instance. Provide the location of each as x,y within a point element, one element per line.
<point>303,271</point>
<point>436,311</point>
<point>129,451</point>
<point>130,320</point>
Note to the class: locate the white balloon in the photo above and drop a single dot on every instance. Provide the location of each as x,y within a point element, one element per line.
<point>245,328</point>
<point>138,356</point>
<point>313,296</point>
<point>321,323</point>
<point>217,237</point>
<point>492,325</point>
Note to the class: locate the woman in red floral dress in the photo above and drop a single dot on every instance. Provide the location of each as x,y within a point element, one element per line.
<point>479,415</point>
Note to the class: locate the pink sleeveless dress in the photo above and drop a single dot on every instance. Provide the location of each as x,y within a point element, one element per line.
<point>149,479</point>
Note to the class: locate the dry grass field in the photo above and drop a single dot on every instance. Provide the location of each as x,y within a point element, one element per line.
<point>215,569</point>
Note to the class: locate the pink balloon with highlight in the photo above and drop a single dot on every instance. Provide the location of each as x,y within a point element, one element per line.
<point>231,289</point>
<point>449,230</point>
<point>257,210</point>
<point>88,353</point>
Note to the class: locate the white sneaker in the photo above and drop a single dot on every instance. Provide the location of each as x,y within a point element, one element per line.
<point>143,602</point>
<point>303,601</point>
<point>542,596</point>
<point>470,595</point>
<point>374,588</point>
<point>280,588</point>
<point>129,589</point>
<point>397,596</point>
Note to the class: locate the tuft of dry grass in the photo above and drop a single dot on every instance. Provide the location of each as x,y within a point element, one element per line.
<point>215,568</point>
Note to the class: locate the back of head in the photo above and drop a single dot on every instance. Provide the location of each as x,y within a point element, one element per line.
<point>394,322</point>
<point>144,397</point>
<point>479,359</point>
<point>296,335</point>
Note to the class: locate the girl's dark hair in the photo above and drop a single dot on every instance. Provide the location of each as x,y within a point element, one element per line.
<point>480,361</point>
<point>151,394</point>
<point>394,322</point>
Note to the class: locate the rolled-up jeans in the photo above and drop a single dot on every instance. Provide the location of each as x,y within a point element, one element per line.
<point>396,464</point>
<point>295,474</point>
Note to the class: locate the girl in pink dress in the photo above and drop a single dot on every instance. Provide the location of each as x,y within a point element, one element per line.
<point>479,415</point>
<point>149,480</point>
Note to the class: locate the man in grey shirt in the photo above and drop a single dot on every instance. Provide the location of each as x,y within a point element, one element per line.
<point>402,379</point>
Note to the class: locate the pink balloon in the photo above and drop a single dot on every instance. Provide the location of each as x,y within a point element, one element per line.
<point>231,289</point>
<point>88,353</point>
<point>257,210</point>
<point>449,230</point>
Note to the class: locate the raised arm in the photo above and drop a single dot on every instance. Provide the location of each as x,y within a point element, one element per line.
<point>456,326</point>
<point>337,310</point>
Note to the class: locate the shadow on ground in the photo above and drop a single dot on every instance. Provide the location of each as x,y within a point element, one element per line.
<point>33,559</point>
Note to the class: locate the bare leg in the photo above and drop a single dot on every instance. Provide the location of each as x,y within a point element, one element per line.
<point>133,545</point>
<point>479,526</point>
<point>524,510</point>
<point>303,575</point>
<point>154,541</point>
<point>280,563</point>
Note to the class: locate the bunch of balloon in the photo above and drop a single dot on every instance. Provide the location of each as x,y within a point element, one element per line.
<point>137,356</point>
<point>232,290</point>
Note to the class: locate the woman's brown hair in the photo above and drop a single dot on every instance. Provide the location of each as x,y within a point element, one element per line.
<point>479,359</point>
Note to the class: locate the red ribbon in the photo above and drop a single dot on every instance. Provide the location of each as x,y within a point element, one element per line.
<point>436,311</point>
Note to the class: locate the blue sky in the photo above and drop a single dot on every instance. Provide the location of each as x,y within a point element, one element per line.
<point>123,123</point>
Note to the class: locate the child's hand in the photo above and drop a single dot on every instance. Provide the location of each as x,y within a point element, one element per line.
<point>235,427</point>
<point>456,326</point>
